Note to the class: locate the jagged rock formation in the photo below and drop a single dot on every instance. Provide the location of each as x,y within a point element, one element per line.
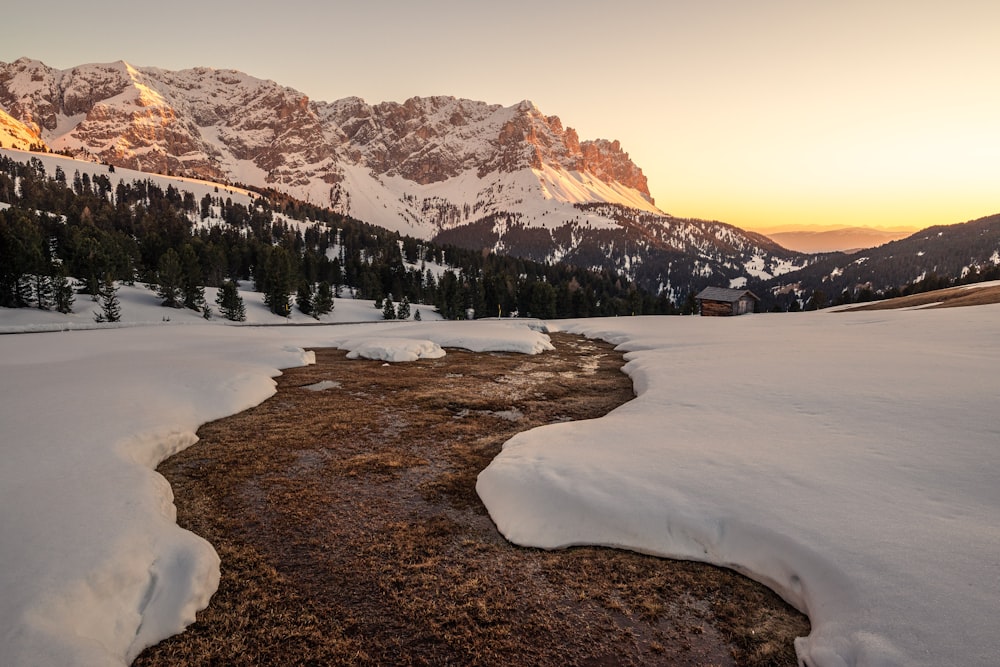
<point>217,124</point>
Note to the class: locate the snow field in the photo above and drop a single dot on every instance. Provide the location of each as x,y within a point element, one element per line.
<point>847,460</point>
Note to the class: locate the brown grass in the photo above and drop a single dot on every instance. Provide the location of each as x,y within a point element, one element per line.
<point>350,532</point>
<point>952,297</point>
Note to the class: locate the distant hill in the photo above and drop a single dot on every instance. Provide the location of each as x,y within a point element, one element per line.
<point>842,239</point>
<point>935,257</point>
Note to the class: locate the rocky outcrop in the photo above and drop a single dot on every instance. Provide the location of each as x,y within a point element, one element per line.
<point>607,161</point>
<point>213,123</point>
<point>15,134</point>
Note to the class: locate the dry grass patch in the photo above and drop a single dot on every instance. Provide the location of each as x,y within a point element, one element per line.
<point>350,531</point>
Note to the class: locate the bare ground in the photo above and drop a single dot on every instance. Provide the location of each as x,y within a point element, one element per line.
<point>350,531</point>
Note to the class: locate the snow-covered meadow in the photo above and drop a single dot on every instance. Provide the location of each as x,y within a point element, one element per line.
<point>848,460</point>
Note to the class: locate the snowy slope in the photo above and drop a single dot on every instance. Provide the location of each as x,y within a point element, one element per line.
<point>198,187</point>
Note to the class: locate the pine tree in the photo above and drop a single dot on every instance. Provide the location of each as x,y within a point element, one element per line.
<point>304,298</point>
<point>20,257</point>
<point>23,292</point>
<point>230,302</point>
<point>170,277</point>
<point>63,293</point>
<point>690,306</point>
<point>278,281</point>
<point>44,293</point>
<point>108,298</point>
<point>388,310</point>
<point>403,310</point>
<point>191,279</point>
<point>323,303</point>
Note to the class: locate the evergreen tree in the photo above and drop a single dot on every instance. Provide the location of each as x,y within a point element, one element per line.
<point>690,306</point>
<point>44,293</point>
<point>304,298</point>
<point>23,292</point>
<point>388,311</point>
<point>278,282</point>
<point>20,257</point>
<point>169,275</point>
<point>817,301</point>
<point>230,302</point>
<point>542,300</point>
<point>323,303</point>
<point>108,298</point>
<point>63,293</point>
<point>191,279</point>
<point>403,310</point>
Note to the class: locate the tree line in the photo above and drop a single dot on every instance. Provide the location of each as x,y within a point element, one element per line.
<point>101,231</point>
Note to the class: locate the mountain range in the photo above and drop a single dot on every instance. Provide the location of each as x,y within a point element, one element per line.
<point>932,258</point>
<point>483,176</point>
<point>504,179</point>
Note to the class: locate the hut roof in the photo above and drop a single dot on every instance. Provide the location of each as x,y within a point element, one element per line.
<point>725,294</point>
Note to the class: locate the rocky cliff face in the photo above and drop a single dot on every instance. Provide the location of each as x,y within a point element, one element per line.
<point>227,125</point>
<point>15,134</point>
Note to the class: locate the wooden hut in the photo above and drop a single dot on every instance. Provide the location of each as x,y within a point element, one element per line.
<point>723,302</point>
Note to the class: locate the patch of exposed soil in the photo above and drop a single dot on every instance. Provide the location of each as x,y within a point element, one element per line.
<point>345,513</point>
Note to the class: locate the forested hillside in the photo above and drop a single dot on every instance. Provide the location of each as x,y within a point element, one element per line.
<point>59,230</point>
<point>934,258</point>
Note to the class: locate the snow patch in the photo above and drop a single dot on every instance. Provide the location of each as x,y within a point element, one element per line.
<point>323,385</point>
<point>392,349</point>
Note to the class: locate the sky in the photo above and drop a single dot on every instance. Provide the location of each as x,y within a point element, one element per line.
<point>760,114</point>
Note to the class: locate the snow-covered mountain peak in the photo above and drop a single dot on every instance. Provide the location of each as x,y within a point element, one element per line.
<point>504,178</point>
<point>227,125</point>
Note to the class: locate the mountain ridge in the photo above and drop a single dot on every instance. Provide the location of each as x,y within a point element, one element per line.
<point>203,122</point>
<point>839,239</point>
<point>425,167</point>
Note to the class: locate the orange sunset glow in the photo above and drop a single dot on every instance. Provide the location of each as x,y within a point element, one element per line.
<point>761,114</point>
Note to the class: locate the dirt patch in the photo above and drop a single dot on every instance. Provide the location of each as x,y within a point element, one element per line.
<point>345,513</point>
<point>952,297</point>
